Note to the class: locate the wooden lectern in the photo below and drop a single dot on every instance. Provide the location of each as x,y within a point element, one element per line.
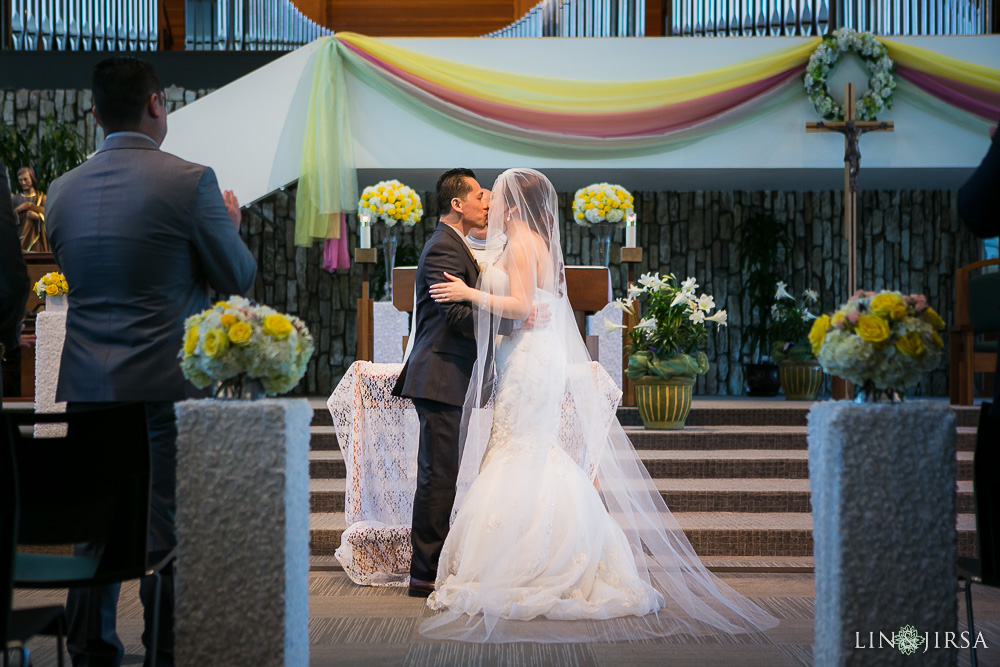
<point>589,290</point>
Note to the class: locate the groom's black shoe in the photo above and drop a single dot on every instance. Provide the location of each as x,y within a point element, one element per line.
<point>420,588</point>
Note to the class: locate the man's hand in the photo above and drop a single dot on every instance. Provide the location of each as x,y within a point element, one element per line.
<point>538,317</point>
<point>232,208</point>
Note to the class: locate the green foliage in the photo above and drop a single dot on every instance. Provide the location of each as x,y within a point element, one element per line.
<point>53,152</point>
<point>648,363</point>
<point>762,237</point>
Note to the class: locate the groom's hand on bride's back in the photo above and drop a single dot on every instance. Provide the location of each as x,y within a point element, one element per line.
<point>538,317</point>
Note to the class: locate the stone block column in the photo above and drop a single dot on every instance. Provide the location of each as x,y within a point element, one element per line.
<point>242,581</point>
<point>50,330</point>
<point>882,479</point>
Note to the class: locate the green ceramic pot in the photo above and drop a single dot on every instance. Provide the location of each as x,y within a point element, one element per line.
<point>663,404</point>
<point>800,380</point>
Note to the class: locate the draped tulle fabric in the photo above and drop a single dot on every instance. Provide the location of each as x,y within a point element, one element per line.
<point>559,534</point>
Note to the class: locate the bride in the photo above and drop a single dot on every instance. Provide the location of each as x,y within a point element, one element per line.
<point>557,521</point>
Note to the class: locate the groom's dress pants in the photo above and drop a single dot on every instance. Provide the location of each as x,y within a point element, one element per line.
<point>437,473</point>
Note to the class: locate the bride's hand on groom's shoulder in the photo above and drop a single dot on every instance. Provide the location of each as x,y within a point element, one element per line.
<point>454,290</point>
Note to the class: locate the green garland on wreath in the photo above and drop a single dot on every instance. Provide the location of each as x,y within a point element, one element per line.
<point>824,60</point>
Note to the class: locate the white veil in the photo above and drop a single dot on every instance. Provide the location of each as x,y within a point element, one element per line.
<point>694,601</point>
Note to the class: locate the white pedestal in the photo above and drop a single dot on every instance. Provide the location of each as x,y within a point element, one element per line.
<point>50,329</point>
<point>882,479</point>
<point>243,532</point>
<point>609,344</point>
<point>390,326</point>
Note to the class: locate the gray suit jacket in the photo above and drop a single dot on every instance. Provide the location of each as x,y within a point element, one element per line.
<point>140,236</point>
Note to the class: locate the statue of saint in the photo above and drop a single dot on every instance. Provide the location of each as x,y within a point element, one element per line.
<point>29,204</point>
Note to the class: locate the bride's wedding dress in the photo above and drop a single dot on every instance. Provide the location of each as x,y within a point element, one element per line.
<point>533,516</point>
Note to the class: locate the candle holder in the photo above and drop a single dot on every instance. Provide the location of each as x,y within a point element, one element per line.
<point>630,229</point>
<point>630,256</point>
<point>365,228</point>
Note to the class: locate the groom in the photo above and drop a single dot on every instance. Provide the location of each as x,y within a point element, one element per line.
<point>436,374</point>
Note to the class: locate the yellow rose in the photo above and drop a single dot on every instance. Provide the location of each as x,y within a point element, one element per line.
<point>191,341</point>
<point>912,345</point>
<point>228,320</point>
<point>936,339</point>
<point>579,216</point>
<point>898,312</point>
<point>818,332</point>
<point>277,326</point>
<point>884,303</point>
<point>239,334</point>
<point>216,343</point>
<point>837,318</point>
<point>873,329</point>
<point>933,319</point>
<point>222,304</point>
<point>52,290</point>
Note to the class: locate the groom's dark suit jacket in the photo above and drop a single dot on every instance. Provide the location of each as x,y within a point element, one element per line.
<point>444,345</point>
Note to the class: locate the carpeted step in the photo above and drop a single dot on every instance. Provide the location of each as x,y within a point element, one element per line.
<point>681,495</point>
<point>718,411</point>
<point>326,464</point>
<point>722,534</point>
<point>746,411</point>
<point>746,437</point>
<point>324,438</point>
<point>677,464</point>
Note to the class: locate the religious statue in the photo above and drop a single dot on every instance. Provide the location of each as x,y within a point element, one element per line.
<point>29,204</point>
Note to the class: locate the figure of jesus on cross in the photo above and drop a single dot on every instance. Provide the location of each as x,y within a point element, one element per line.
<point>852,129</point>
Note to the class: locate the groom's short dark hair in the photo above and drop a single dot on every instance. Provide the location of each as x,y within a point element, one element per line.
<point>452,184</point>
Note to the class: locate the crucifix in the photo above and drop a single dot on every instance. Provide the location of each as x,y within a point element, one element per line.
<point>852,130</point>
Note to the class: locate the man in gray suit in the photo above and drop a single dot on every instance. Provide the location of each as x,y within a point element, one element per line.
<point>141,236</point>
<point>14,284</point>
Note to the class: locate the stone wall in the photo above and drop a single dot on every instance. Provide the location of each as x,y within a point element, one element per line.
<point>908,240</point>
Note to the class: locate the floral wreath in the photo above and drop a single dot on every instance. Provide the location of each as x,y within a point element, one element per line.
<point>825,59</point>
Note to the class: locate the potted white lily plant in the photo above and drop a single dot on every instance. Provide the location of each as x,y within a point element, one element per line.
<point>667,349</point>
<point>800,374</point>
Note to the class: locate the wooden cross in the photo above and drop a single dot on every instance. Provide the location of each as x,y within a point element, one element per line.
<point>852,130</point>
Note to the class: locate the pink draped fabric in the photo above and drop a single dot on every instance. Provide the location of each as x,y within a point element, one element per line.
<point>977,101</point>
<point>335,255</point>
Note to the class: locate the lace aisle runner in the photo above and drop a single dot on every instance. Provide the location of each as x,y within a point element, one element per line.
<point>378,435</point>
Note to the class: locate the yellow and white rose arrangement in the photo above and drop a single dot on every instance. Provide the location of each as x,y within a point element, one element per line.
<point>882,342</point>
<point>602,202</point>
<point>238,340</point>
<point>51,284</point>
<point>392,203</point>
